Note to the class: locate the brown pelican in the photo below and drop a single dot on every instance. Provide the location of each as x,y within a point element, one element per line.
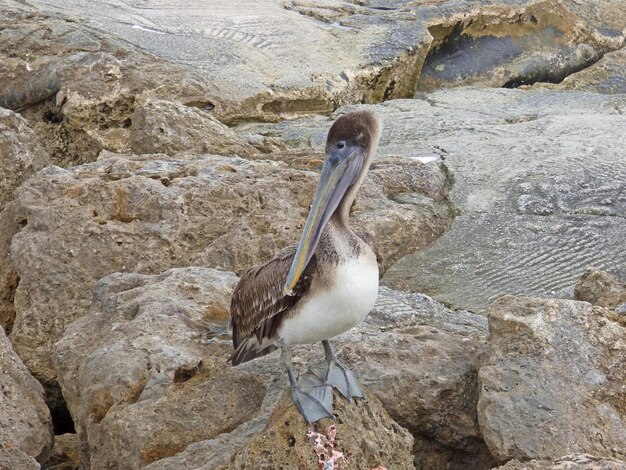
<point>322,288</point>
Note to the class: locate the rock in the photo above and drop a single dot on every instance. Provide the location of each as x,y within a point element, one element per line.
<point>78,86</point>
<point>150,215</point>
<point>168,127</point>
<point>12,459</point>
<point>570,462</point>
<point>600,288</point>
<point>528,225</point>
<point>608,75</point>
<point>65,453</point>
<point>529,406</point>
<point>410,368</point>
<point>363,437</point>
<point>20,153</point>
<point>25,424</point>
<point>136,372</point>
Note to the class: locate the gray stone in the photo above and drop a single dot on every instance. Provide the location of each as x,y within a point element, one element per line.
<point>13,459</point>
<point>25,424</point>
<point>608,75</point>
<point>569,462</point>
<point>20,153</point>
<point>554,384</point>
<point>169,127</point>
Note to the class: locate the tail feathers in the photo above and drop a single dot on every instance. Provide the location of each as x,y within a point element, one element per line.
<point>250,349</point>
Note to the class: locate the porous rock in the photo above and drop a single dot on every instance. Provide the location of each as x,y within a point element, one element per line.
<point>145,216</point>
<point>554,384</point>
<point>169,127</point>
<point>362,437</point>
<point>139,372</point>
<point>600,288</point>
<point>25,424</point>
<point>404,360</point>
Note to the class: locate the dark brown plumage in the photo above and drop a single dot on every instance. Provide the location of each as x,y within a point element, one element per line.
<point>258,305</point>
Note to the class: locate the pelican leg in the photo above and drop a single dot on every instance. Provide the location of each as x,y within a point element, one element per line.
<point>334,373</point>
<point>313,398</point>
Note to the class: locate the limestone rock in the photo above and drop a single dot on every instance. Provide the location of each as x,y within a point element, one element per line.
<point>12,459</point>
<point>138,370</point>
<point>569,462</point>
<point>608,75</point>
<point>20,153</point>
<point>409,366</point>
<point>530,407</point>
<point>25,424</point>
<point>168,127</point>
<point>363,437</point>
<point>600,288</point>
<point>65,453</point>
<point>149,215</point>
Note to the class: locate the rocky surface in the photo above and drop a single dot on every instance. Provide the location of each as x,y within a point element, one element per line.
<point>153,407</point>
<point>362,437</point>
<point>78,225</point>
<point>600,288</point>
<point>570,462</point>
<point>160,126</point>
<point>25,424</point>
<point>529,406</point>
<point>65,453</point>
<point>608,75</point>
<point>20,153</point>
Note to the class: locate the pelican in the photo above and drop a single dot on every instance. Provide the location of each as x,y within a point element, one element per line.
<point>321,288</point>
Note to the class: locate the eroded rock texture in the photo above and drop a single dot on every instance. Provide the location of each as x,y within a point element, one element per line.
<point>555,381</point>
<point>20,153</point>
<point>76,226</point>
<point>25,424</point>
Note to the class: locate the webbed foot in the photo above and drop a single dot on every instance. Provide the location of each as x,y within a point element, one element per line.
<point>334,373</point>
<point>313,398</point>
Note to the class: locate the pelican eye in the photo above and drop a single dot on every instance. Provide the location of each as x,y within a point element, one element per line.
<point>341,144</point>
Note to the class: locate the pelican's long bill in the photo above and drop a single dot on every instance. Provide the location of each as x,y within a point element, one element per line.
<point>340,170</point>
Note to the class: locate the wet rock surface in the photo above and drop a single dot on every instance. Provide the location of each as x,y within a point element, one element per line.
<point>527,396</point>
<point>25,424</point>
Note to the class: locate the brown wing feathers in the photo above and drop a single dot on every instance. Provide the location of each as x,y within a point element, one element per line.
<point>258,305</point>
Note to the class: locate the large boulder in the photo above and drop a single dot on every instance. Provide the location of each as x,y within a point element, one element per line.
<point>536,184</point>
<point>137,373</point>
<point>554,384</point>
<point>122,214</point>
<point>138,368</point>
<point>20,153</point>
<point>362,437</point>
<point>25,424</point>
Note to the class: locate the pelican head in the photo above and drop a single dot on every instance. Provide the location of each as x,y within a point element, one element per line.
<point>350,147</point>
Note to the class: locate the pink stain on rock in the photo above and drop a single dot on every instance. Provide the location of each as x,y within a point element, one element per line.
<point>328,456</point>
